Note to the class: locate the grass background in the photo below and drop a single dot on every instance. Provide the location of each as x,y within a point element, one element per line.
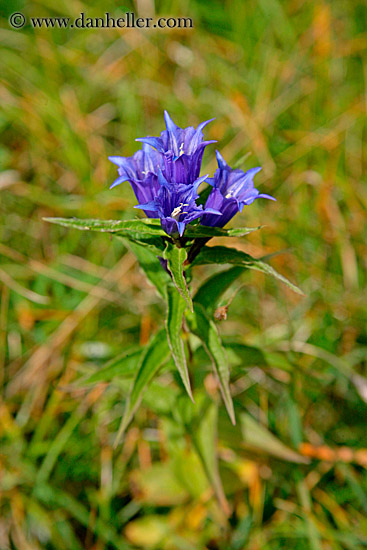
<point>286,82</point>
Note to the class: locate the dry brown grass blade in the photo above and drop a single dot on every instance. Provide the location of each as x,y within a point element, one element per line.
<point>83,264</point>
<point>40,268</point>
<point>19,289</point>
<point>335,454</point>
<point>35,369</point>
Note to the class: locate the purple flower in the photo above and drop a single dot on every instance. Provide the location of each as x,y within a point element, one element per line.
<point>182,150</point>
<point>164,175</point>
<point>141,170</point>
<point>175,205</point>
<point>232,190</point>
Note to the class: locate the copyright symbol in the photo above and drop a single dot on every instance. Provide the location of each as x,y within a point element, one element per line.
<point>17,20</point>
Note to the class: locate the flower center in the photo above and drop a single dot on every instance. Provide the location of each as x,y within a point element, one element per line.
<point>176,212</point>
<point>232,192</point>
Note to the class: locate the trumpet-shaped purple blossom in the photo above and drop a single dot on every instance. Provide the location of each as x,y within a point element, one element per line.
<point>141,171</point>
<point>175,205</point>
<point>232,190</point>
<point>164,176</point>
<point>182,150</point>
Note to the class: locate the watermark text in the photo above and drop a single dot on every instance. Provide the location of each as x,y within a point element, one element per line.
<point>129,20</point>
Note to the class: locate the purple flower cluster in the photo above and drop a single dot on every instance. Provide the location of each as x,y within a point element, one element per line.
<point>165,176</point>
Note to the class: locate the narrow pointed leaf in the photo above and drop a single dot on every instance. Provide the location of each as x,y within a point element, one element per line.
<point>155,354</point>
<point>146,232</point>
<point>210,292</point>
<point>198,231</point>
<point>147,226</point>
<point>258,437</point>
<point>155,244</point>
<point>207,331</point>
<point>175,259</point>
<point>224,255</point>
<point>176,306</point>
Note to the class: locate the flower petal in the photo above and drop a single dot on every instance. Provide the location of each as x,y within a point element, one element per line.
<point>221,162</point>
<point>151,206</point>
<point>153,142</point>
<point>170,125</point>
<point>119,180</point>
<point>265,196</point>
<point>116,160</point>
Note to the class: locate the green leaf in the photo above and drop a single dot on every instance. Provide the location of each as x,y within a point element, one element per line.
<point>155,244</point>
<point>204,435</point>
<point>198,231</point>
<point>224,255</point>
<point>160,398</point>
<point>241,534</point>
<point>206,330</point>
<point>122,366</point>
<point>147,226</point>
<point>258,437</point>
<point>154,355</point>
<point>210,292</point>
<point>146,232</point>
<point>151,266</point>
<point>176,306</point>
<point>176,257</point>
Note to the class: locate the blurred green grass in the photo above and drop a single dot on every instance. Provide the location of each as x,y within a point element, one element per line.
<point>286,82</point>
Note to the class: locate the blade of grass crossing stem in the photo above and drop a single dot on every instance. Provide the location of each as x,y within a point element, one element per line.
<point>176,306</point>
<point>207,331</point>
<point>175,259</point>
<point>155,354</point>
